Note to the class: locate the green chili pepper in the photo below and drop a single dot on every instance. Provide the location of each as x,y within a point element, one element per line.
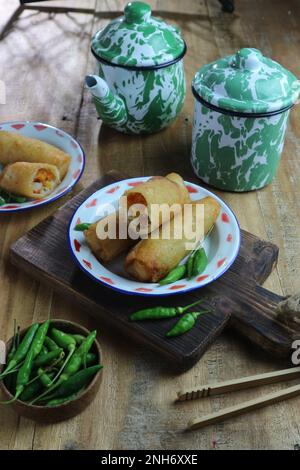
<point>79,338</point>
<point>31,390</point>
<point>10,382</point>
<point>8,197</point>
<point>73,384</point>
<point>14,344</point>
<point>79,356</point>
<point>185,324</point>
<point>76,382</point>
<point>200,262</point>
<point>10,378</point>
<point>36,345</point>
<point>50,344</point>
<point>175,275</point>
<point>18,199</point>
<point>61,401</point>
<point>38,341</point>
<point>63,339</point>
<point>189,265</point>
<point>22,350</point>
<point>18,337</point>
<point>91,358</point>
<point>23,376</point>
<point>82,227</point>
<point>157,313</point>
<point>45,379</point>
<point>46,359</point>
<point>48,367</point>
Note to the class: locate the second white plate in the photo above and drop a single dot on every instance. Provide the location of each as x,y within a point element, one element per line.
<point>221,246</point>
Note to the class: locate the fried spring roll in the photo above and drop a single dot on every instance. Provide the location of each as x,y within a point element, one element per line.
<point>16,147</point>
<point>152,259</point>
<point>32,180</point>
<point>107,249</point>
<point>157,190</point>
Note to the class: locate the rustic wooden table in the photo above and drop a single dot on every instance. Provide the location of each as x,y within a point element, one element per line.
<point>43,62</point>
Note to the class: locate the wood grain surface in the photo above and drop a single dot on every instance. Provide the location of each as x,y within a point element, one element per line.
<point>235,299</point>
<point>43,62</point>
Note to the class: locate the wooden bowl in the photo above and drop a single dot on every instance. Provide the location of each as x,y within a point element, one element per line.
<point>47,414</point>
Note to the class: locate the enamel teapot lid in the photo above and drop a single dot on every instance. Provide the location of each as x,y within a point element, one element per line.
<point>138,40</point>
<point>246,82</point>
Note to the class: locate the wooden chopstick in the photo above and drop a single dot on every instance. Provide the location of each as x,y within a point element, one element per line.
<point>239,384</point>
<point>244,407</point>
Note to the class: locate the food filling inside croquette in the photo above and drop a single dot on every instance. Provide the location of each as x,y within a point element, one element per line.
<point>43,181</point>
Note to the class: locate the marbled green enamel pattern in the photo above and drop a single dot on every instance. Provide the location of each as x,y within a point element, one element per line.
<point>141,102</point>
<point>247,82</point>
<point>236,153</point>
<point>138,39</point>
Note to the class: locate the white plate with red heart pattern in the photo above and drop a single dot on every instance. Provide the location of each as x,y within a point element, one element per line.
<point>221,246</point>
<point>58,138</point>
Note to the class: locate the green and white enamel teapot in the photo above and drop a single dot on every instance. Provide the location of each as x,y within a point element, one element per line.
<point>140,84</point>
<point>242,104</point>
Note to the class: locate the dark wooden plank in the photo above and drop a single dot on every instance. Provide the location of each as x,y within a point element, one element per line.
<point>44,253</point>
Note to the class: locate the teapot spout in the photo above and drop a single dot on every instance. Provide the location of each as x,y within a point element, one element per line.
<point>110,108</point>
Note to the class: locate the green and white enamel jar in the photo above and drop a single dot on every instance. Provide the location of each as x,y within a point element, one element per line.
<point>140,86</point>
<point>242,104</point>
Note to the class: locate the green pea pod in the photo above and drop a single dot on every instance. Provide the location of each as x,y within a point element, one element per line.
<point>189,265</point>
<point>200,262</point>
<point>158,313</point>
<point>82,227</point>
<point>48,358</point>
<point>175,275</point>
<point>185,324</point>
<point>50,344</point>
<point>22,350</point>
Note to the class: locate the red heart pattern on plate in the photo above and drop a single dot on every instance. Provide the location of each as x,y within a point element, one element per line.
<point>93,203</point>
<point>225,218</point>
<point>40,127</point>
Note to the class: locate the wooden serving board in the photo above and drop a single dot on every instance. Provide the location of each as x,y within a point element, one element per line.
<point>237,298</point>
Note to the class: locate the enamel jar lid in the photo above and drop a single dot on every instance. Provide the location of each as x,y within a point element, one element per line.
<point>246,83</point>
<point>138,40</point>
